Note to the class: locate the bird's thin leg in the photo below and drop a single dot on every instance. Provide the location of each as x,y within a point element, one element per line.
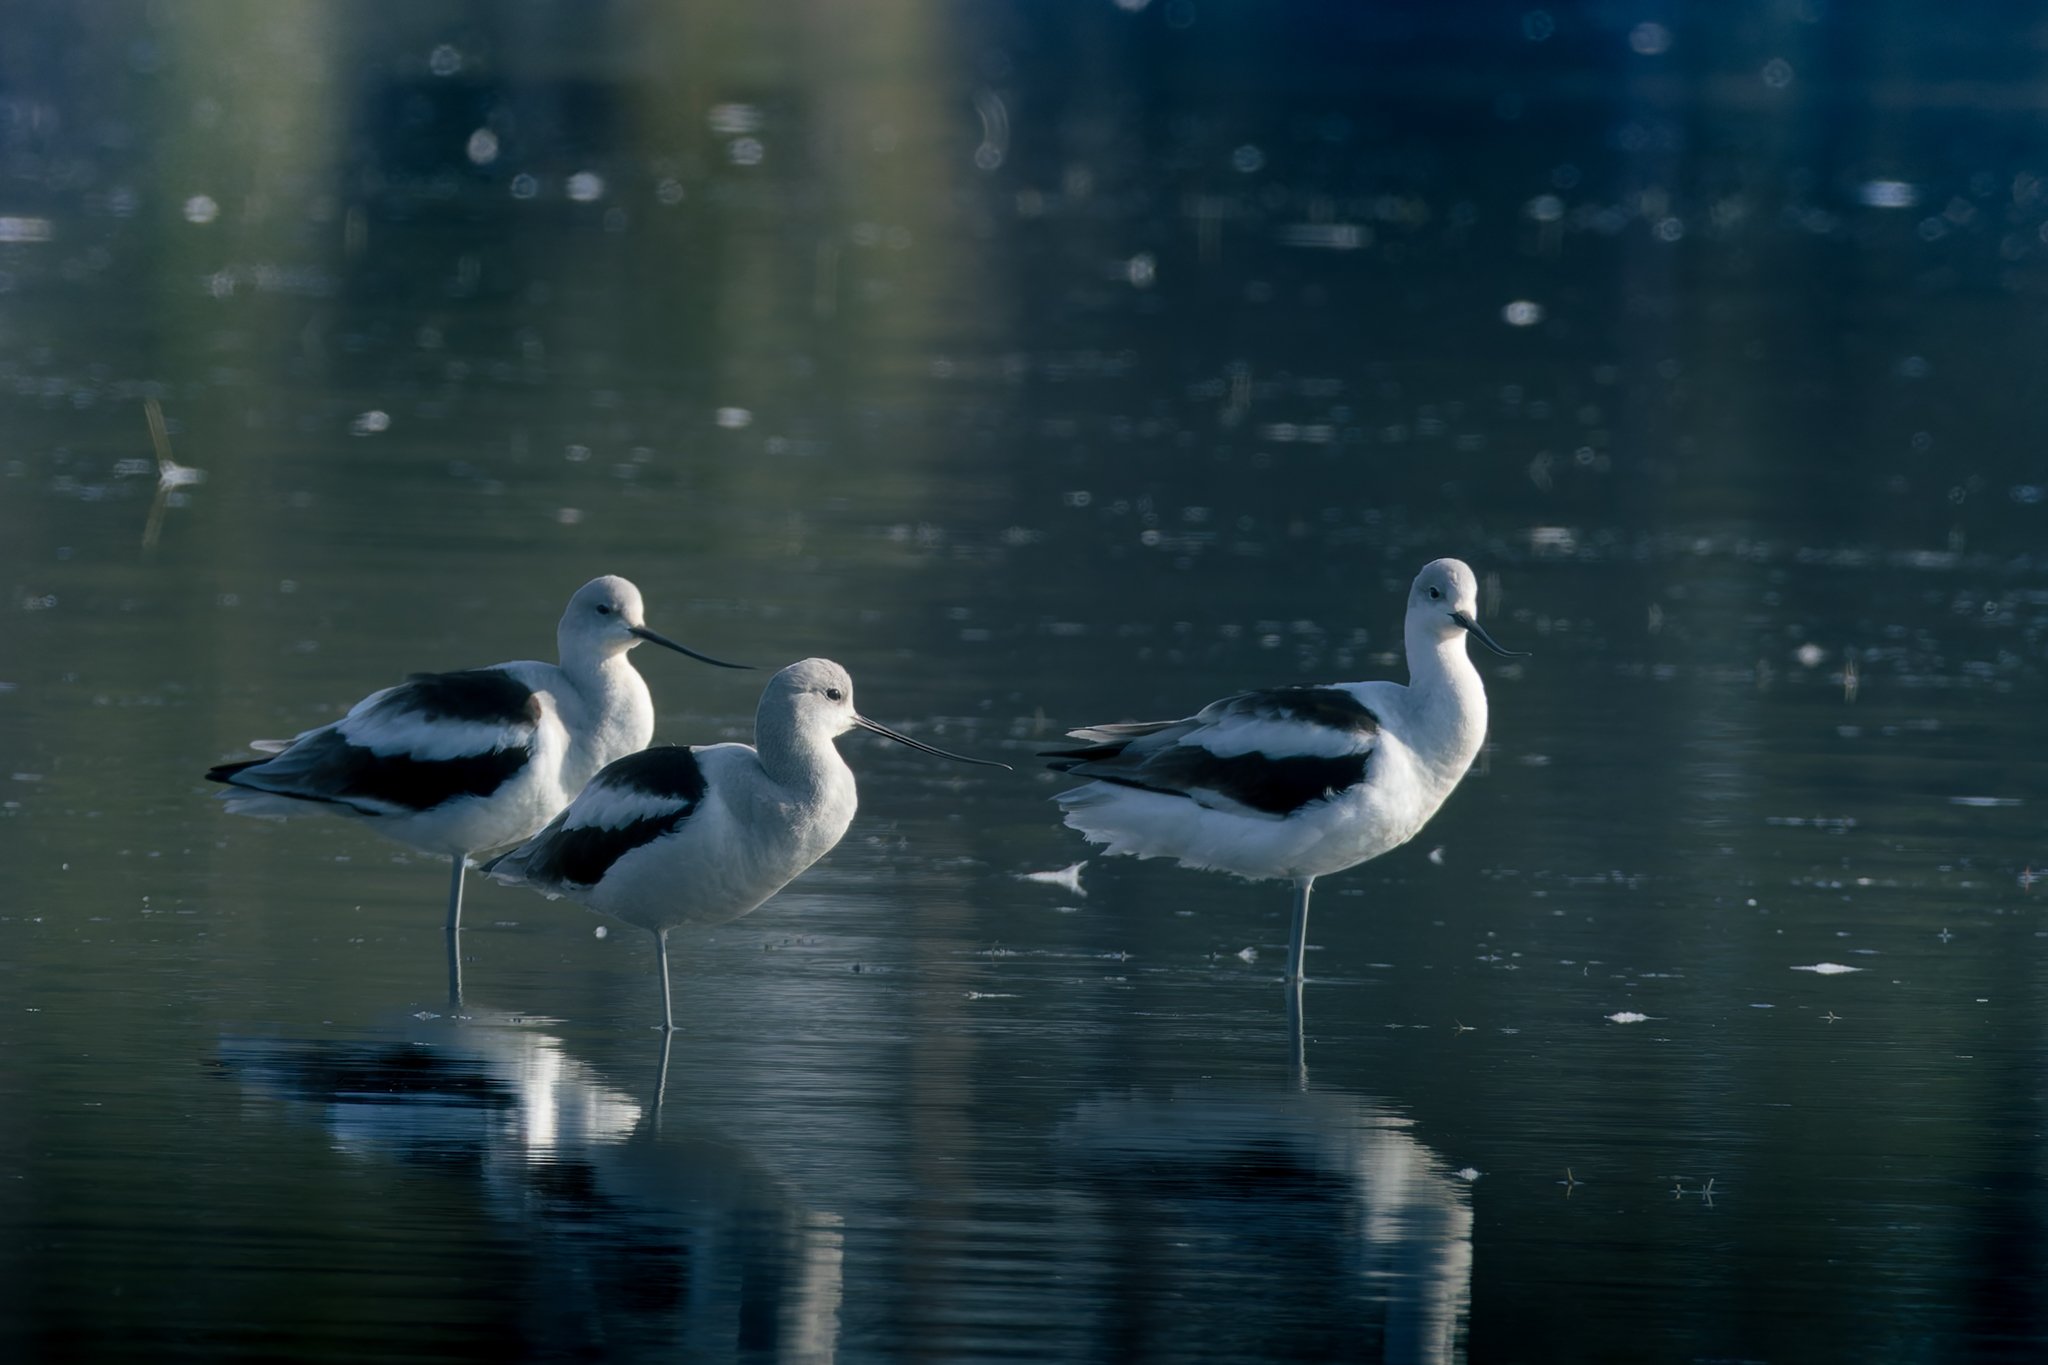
<point>453,934</point>
<point>1297,1056</point>
<point>455,894</point>
<point>668,1018</point>
<point>661,1075</point>
<point>1297,943</point>
<point>454,939</point>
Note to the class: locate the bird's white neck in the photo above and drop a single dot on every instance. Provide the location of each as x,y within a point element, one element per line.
<point>800,759</point>
<point>621,719</point>
<point>1449,698</point>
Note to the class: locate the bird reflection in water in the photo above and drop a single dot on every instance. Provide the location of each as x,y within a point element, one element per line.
<point>1359,1236</point>
<point>650,1234</point>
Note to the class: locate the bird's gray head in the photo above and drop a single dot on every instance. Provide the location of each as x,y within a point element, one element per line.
<point>817,692</point>
<point>606,618</point>
<point>1445,601</point>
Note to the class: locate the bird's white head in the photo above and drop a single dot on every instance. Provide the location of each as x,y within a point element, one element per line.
<point>605,618</point>
<point>1444,602</point>
<point>601,616</point>
<point>816,697</point>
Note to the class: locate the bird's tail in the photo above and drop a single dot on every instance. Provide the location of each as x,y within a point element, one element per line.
<point>508,867</point>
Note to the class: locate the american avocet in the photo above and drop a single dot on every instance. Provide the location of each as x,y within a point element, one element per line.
<point>704,834</point>
<point>1296,782</point>
<point>462,763</point>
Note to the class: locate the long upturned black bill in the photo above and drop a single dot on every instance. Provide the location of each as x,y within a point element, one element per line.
<point>864,723</point>
<point>1479,633</point>
<point>656,638</point>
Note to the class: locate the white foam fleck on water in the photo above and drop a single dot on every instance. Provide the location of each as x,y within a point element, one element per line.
<point>1066,878</point>
<point>1626,1017</point>
<point>1828,968</point>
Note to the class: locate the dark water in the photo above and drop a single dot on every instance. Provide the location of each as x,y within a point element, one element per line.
<point>1045,365</point>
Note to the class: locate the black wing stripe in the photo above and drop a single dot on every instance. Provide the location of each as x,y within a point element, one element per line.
<point>1331,708</point>
<point>327,768</point>
<point>581,856</point>
<point>478,696</point>
<point>1274,786</point>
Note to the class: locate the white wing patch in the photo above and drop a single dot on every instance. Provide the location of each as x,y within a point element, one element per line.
<point>1233,737</point>
<point>431,742</point>
<point>607,805</point>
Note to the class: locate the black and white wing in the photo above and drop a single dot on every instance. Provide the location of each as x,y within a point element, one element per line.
<point>409,748</point>
<point>630,803</point>
<point>1269,752</point>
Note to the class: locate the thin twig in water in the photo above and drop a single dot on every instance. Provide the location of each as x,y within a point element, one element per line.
<point>170,474</point>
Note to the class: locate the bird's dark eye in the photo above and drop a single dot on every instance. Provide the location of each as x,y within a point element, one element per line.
<point>603,610</point>
<point>834,694</point>
<point>1435,594</point>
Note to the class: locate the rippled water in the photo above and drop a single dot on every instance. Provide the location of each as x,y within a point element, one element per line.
<point>1044,369</point>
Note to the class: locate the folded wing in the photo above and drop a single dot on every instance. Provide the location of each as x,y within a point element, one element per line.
<point>1268,753</point>
<point>434,739</point>
<point>630,803</point>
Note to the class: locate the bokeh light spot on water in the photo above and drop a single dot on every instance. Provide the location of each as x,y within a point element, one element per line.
<point>733,419</point>
<point>1247,159</point>
<point>1777,73</point>
<point>1887,194</point>
<point>483,147</point>
<point>1522,313</point>
<point>586,187</point>
<point>732,119</point>
<point>1327,236</point>
<point>1649,39</point>
<point>201,209</point>
<point>445,60</point>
